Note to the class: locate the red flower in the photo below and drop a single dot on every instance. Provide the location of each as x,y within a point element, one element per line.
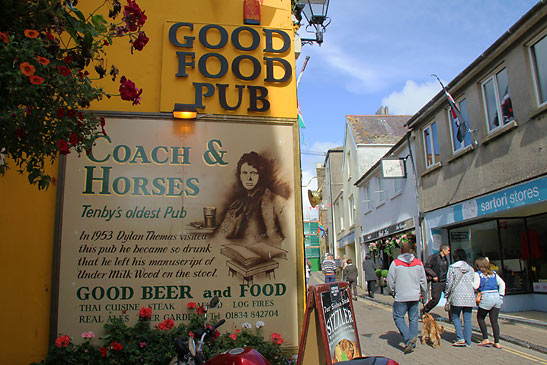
<point>73,139</point>
<point>44,61</point>
<point>30,33</point>
<point>19,133</point>
<point>62,341</point>
<point>116,346</point>
<point>233,336</point>
<point>167,324</point>
<point>63,147</point>
<point>71,113</point>
<point>27,69</point>
<point>105,43</point>
<point>129,92</point>
<point>81,116</point>
<point>68,60</point>
<point>36,80</point>
<point>277,339</point>
<point>200,310</point>
<point>145,312</point>
<point>50,36</point>
<point>191,334</point>
<point>133,16</point>
<point>216,334</point>
<point>63,70</point>
<point>4,37</point>
<point>81,74</point>
<point>103,351</point>
<point>140,42</point>
<point>191,305</point>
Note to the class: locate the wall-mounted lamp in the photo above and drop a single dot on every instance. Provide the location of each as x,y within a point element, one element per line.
<point>185,111</point>
<point>315,12</point>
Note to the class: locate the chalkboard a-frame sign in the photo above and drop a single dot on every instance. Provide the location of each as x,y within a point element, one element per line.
<point>330,332</point>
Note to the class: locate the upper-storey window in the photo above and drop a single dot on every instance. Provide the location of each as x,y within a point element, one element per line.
<point>539,65</point>
<point>351,211</point>
<point>497,100</point>
<point>431,145</point>
<point>348,165</point>
<point>457,145</point>
<point>366,198</point>
<point>380,189</point>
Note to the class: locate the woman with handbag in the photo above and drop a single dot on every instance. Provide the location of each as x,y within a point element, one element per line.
<point>491,289</point>
<point>461,296</point>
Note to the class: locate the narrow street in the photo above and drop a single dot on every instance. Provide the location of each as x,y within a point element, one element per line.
<point>378,335</point>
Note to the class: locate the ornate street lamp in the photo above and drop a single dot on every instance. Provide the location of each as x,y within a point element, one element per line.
<point>315,12</point>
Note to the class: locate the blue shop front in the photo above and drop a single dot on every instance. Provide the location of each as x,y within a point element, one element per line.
<point>509,226</point>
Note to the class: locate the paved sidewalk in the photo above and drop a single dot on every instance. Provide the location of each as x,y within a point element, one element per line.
<point>526,329</point>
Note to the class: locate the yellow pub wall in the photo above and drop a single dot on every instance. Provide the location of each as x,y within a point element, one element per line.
<point>27,217</point>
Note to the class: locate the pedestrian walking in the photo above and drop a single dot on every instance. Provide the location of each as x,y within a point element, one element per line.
<point>491,289</point>
<point>436,267</point>
<point>459,285</point>
<point>350,275</point>
<point>370,275</point>
<point>407,281</point>
<point>328,266</point>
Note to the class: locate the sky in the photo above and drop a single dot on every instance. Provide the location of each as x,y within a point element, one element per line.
<point>383,52</point>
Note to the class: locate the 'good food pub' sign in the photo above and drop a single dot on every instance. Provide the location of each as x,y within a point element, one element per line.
<point>230,67</point>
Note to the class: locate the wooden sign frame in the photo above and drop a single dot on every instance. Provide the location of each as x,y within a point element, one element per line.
<point>333,327</point>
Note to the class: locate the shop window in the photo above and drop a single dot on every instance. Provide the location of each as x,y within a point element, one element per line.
<point>497,100</point>
<point>431,145</point>
<point>539,65</point>
<point>534,247</point>
<point>457,145</point>
<point>513,266</point>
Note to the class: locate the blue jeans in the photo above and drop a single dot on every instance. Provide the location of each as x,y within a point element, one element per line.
<point>464,334</point>
<point>330,278</point>
<point>399,311</point>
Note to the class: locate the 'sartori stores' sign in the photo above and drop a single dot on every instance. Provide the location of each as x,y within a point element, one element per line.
<point>163,213</point>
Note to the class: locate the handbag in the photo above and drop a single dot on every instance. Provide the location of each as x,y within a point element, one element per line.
<point>447,305</point>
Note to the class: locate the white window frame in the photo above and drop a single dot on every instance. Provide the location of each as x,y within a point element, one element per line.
<point>380,192</point>
<point>494,79</point>
<point>454,132</point>
<point>351,211</point>
<point>533,64</point>
<point>366,198</point>
<point>435,137</point>
<point>397,186</point>
<point>348,165</point>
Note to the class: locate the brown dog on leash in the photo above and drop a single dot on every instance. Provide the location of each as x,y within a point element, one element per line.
<point>431,331</point>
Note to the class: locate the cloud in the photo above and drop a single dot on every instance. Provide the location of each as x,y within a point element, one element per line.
<point>412,98</point>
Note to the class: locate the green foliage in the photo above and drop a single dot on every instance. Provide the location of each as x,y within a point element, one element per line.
<point>378,272</point>
<point>384,273</point>
<point>144,344</point>
<point>46,50</point>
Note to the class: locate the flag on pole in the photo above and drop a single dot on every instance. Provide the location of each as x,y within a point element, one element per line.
<point>321,230</point>
<point>456,114</point>
<point>300,118</point>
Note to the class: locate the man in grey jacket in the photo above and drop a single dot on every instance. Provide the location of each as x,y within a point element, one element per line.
<point>407,281</point>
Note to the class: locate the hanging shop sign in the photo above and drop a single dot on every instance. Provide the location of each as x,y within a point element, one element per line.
<point>222,68</point>
<point>165,213</point>
<point>389,230</point>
